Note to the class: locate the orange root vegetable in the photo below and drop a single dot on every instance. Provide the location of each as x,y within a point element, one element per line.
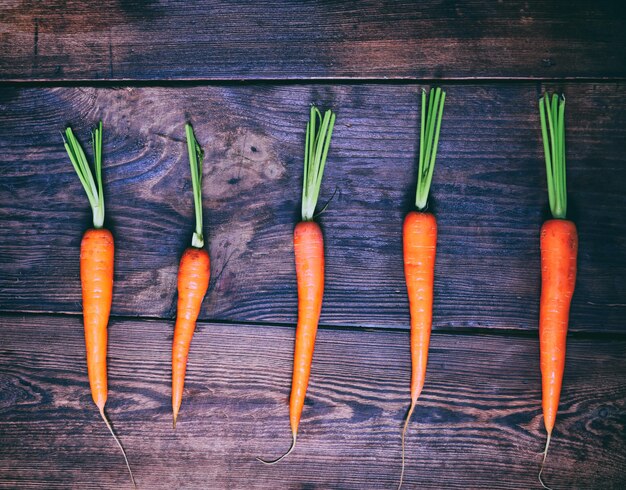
<point>193,281</point>
<point>308,245</point>
<point>559,250</point>
<point>420,245</point>
<point>96,274</point>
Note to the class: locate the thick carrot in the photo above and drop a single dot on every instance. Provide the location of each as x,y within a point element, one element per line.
<point>559,250</point>
<point>308,244</point>
<point>96,274</point>
<point>420,244</point>
<point>193,281</point>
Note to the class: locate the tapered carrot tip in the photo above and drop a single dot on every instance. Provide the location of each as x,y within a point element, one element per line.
<point>543,462</point>
<point>293,445</point>
<point>174,424</point>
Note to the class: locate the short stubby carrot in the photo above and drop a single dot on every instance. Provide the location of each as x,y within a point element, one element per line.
<point>193,282</point>
<point>419,249</point>
<point>96,274</point>
<point>559,251</point>
<point>194,273</point>
<point>308,245</point>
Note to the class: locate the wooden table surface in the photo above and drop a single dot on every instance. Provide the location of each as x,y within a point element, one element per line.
<point>244,73</point>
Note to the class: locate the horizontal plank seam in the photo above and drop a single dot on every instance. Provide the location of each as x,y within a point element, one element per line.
<point>193,82</point>
<point>464,331</point>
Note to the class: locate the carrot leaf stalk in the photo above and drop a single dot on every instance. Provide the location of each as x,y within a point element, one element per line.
<point>318,133</point>
<point>93,187</point>
<point>432,114</point>
<point>552,115</point>
<point>196,156</point>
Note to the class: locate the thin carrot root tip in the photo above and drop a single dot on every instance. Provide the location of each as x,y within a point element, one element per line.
<point>293,445</point>
<point>406,425</point>
<point>174,424</point>
<point>543,462</point>
<point>108,424</point>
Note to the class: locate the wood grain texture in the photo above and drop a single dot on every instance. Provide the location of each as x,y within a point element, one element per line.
<point>478,423</point>
<point>489,195</point>
<point>272,39</point>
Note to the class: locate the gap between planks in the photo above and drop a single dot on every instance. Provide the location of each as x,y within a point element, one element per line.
<point>226,82</point>
<point>461,331</point>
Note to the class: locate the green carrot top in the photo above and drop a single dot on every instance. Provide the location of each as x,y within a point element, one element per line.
<point>318,133</point>
<point>196,155</point>
<point>432,114</point>
<point>553,134</point>
<point>93,187</point>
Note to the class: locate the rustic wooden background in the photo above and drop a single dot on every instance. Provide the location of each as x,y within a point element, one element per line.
<point>245,73</point>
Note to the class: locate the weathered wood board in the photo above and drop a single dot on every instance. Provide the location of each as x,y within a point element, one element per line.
<point>478,423</point>
<point>489,195</point>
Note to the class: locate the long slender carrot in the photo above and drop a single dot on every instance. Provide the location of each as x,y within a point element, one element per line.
<point>193,281</point>
<point>420,244</point>
<point>559,250</point>
<point>96,273</point>
<point>308,244</point>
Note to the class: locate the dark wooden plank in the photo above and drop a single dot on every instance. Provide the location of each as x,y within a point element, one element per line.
<point>478,424</point>
<point>270,39</point>
<point>489,196</point>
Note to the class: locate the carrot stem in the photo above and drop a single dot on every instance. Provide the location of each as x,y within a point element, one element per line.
<point>196,156</point>
<point>552,117</point>
<point>106,421</point>
<point>93,187</point>
<point>317,141</point>
<point>432,115</point>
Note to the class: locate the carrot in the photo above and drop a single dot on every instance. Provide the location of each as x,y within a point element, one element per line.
<point>559,249</point>
<point>96,273</point>
<point>420,244</point>
<point>308,244</point>
<point>193,281</point>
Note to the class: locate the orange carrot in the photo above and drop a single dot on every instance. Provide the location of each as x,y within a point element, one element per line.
<point>193,281</point>
<point>559,249</point>
<point>308,245</point>
<point>96,274</point>
<point>420,244</point>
